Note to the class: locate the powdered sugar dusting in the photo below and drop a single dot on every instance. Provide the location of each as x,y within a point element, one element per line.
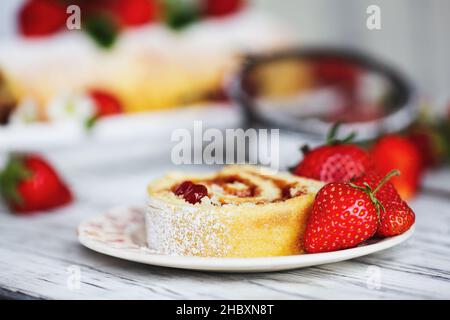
<point>185,230</point>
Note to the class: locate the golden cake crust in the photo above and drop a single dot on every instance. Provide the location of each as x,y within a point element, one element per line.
<point>270,222</point>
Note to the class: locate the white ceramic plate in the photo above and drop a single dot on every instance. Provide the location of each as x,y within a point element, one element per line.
<point>121,233</point>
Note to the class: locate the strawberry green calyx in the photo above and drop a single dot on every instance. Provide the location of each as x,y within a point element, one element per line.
<point>103,29</point>
<point>180,14</point>
<point>13,173</point>
<point>331,137</point>
<point>371,192</point>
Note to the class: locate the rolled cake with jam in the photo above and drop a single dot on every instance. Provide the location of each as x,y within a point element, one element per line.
<point>240,211</point>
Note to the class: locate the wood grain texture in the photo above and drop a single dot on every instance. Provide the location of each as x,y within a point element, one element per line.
<point>36,251</point>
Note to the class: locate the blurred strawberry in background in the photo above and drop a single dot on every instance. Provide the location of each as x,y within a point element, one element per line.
<point>135,12</point>
<point>45,17</point>
<point>398,152</point>
<point>104,19</point>
<point>332,71</point>
<point>218,8</point>
<point>431,144</point>
<point>431,134</point>
<point>42,17</point>
<point>106,104</point>
<point>29,183</point>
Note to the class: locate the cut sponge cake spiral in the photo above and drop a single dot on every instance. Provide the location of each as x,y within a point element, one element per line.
<point>247,212</point>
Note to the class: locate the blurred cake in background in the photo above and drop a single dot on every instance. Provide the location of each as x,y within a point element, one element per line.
<point>7,100</point>
<point>129,56</point>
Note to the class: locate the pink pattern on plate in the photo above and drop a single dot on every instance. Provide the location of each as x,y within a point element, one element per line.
<point>119,228</point>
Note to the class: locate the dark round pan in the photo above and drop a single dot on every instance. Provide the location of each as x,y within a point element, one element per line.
<point>400,112</point>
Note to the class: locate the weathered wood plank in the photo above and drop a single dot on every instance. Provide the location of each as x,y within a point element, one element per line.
<point>36,251</point>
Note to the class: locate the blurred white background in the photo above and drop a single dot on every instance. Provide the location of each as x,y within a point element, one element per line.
<point>413,36</point>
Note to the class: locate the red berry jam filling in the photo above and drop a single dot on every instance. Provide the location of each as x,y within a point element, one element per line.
<point>191,192</point>
<point>182,187</point>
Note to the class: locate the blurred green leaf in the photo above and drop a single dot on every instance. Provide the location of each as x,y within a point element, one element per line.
<point>180,14</point>
<point>103,29</point>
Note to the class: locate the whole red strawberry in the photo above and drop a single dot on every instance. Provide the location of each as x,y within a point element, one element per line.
<point>396,216</point>
<point>346,214</point>
<point>342,217</point>
<point>337,161</point>
<point>42,17</point>
<point>106,103</point>
<point>219,8</point>
<point>397,152</point>
<point>28,183</point>
<point>430,141</point>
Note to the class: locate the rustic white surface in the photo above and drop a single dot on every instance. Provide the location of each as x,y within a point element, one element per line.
<point>36,251</point>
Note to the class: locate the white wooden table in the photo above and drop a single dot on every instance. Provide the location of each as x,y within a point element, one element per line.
<point>38,252</point>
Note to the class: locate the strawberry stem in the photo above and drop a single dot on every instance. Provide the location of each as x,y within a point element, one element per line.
<point>349,138</point>
<point>394,172</point>
<point>331,137</point>
<point>332,133</point>
<point>371,192</point>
